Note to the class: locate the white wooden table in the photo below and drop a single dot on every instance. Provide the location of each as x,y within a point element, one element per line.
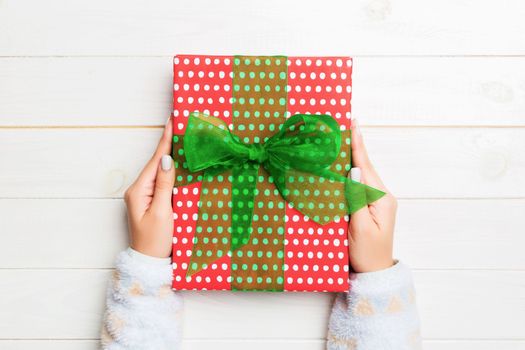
<point>439,87</point>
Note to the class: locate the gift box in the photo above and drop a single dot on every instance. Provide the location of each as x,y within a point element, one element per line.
<point>262,152</point>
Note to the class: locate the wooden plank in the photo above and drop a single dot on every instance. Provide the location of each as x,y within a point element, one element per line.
<point>400,27</point>
<point>414,162</point>
<point>439,90</point>
<point>68,233</point>
<point>67,304</point>
<point>50,344</point>
<point>259,344</point>
<point>473,344</point>
<point>85,91</point>
<point>137,90</point>
<point>72,233</point>
<point>449,234</point>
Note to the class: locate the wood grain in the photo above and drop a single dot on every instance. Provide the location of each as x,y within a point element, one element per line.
<point>364,27</point>
<point>413,162</point>
<point>430,234</point>
<point>258,344</point>
<point>124,91</point>
<point>68,304</point>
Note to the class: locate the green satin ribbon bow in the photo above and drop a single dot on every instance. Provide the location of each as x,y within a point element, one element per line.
<point>297,157</point>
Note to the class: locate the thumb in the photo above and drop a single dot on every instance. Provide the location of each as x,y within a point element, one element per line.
<point>164,184</point>
<point>360,220</point>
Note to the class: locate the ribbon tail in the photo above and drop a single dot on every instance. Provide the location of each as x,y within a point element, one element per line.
<point>359,195</point>
<point>243,197</point>
<point>212,239</point>
<point>323,196</point>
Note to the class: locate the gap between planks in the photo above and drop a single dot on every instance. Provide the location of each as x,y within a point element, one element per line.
<point>335,55</point>
<point>162,126</point>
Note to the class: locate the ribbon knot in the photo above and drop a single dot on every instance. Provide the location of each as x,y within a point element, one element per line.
<point>257,152</point>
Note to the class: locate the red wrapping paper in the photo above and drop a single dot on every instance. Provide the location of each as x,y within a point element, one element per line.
<point>315,256</point>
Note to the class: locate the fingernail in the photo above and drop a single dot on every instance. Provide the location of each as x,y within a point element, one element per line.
<point>356,127</point>
<point>166,162</point>
<point>169,119</point>
<point>355,174</point>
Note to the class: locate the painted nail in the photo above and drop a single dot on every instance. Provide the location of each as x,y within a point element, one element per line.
<point>166,162</point>
<point>356,127</point>
<point>355,174</point>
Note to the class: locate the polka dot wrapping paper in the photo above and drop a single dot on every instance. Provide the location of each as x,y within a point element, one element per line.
<point>285,250</point>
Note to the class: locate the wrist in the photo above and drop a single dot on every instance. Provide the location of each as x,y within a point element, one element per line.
<point>135,254</point>
<point>376,265</point>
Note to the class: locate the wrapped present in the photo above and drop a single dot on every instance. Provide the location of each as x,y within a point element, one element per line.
<point>262,152</point>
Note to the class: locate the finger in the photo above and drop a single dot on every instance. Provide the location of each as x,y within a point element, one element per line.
<point>164,147</point>
<point>164,184</point>
<point>361,160</point>
<point>379,210</point>
<point>360,220</point>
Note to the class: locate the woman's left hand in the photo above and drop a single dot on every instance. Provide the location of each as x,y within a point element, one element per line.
<point>148,202</point>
